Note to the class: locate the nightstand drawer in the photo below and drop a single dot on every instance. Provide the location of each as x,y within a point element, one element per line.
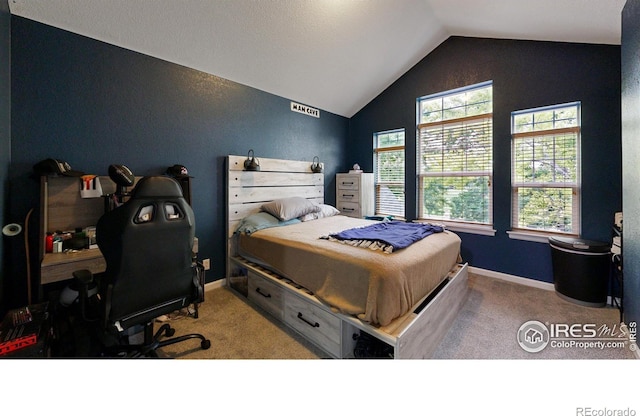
<point>348,182</point>
<point>314,323</point>
<point>351,209</point>
<point>266,294</point>
<point>347,195</point>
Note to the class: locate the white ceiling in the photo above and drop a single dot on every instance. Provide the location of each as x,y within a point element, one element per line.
<point>336,55</point>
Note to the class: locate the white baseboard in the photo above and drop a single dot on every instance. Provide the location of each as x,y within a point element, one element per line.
<point>215,284</point>
<point>526,281</point>
<point>511,278</point>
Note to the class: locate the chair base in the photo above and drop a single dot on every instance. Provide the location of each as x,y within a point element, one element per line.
<point>152,342</point>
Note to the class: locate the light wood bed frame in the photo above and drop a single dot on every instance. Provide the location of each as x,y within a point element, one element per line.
<point>416,334</point>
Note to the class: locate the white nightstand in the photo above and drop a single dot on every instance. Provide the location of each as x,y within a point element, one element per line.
<point>355,194</point>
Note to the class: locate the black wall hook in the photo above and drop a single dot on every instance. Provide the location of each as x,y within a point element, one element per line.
<point>316,166</point>
<point>251,163</point>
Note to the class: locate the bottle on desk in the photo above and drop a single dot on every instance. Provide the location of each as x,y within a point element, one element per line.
<point>48,243</point>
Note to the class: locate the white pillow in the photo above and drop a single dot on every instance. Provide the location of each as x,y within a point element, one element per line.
<point>325,211</point>
<point>288,208</point>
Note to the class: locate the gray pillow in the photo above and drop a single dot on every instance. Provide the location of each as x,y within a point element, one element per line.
<point>325,211</point>
<point>288,208</point>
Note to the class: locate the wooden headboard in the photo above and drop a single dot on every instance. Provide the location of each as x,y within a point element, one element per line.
<point>277,178</point>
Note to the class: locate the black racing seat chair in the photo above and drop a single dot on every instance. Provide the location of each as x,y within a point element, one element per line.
<point>147,244</point>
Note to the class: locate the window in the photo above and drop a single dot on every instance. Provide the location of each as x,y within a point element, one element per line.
<point>546,169</point>
<point>455,154</point>
<point>388,153</point>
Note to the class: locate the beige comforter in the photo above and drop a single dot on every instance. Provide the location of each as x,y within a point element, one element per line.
<point>376,287</point>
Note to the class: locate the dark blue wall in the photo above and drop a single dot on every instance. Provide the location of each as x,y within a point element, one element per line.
<point>631,158</point>
<point>5,128</point>
<point>94,104</point>
<point>525,74</point>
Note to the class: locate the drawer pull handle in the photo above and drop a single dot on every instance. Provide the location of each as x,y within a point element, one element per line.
<point>313,324</point>
<point>347,183</point>
<point>348,209</point>
<point>347,196</point>
<point>268,295</point>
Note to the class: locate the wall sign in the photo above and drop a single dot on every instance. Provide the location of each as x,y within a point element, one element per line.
<point>310,111</point>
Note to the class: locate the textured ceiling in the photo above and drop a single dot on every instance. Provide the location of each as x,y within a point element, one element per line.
<point>336,55</point>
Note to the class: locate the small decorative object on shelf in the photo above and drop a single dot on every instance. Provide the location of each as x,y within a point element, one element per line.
<point>356,169</point>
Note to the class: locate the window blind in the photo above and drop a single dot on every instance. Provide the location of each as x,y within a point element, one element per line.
<point>546,170</point>
<point>389,167</point>
<point>456,155</point>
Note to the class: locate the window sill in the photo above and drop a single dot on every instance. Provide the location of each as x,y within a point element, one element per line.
<point>466,228</point>
<point>530,236</point>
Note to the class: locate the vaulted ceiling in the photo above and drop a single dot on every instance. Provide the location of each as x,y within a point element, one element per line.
<point>336,55</point>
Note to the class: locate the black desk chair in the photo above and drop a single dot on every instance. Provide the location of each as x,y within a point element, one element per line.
<point>147,244</point>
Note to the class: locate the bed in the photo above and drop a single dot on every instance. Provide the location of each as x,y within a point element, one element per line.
<point>329,291</point>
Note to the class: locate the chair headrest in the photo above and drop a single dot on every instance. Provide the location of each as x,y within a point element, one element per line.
<point>157,187</point>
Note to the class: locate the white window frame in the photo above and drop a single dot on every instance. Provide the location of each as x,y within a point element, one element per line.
<point>483,228</point>
<point>542,235</point>
<point>378,184</point>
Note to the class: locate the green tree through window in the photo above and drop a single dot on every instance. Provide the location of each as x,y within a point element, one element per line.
<point>455,148</point>
<point>546,169</point>
<point>389,168</point>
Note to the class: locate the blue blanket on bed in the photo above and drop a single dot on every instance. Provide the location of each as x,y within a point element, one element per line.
<point>397,234</point>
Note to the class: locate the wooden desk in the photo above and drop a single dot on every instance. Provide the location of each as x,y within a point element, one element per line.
<point>62,208</point>
<point>56,267</point>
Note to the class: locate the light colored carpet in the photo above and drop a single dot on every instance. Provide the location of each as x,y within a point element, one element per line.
<point>237,330</point>
<point>486,327</point>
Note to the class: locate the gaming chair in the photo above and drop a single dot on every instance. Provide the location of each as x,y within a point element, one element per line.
<point>147,243</point>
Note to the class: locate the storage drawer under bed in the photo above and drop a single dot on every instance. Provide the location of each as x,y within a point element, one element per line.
<point>315,323</point>
<point>267,295</point>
